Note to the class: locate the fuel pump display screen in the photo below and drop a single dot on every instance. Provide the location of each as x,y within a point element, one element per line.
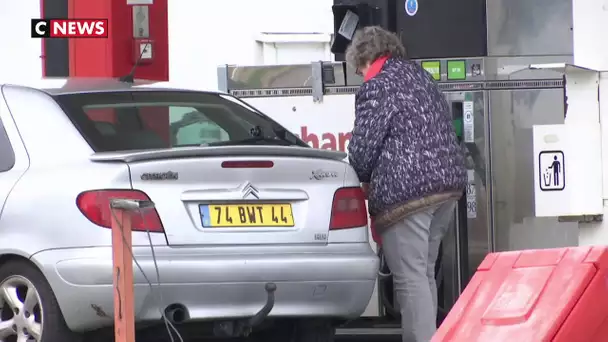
<point>433,68</point>
<point>457,70</point>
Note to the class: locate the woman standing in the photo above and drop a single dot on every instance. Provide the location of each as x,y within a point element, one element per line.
<point>404,145</point>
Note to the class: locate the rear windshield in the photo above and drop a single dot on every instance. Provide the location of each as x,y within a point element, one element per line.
<point>136,120</point>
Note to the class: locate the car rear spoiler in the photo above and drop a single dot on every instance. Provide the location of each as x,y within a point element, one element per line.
<point>219,151</point>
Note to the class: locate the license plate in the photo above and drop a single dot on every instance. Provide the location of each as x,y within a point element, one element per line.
<point>247,215</point>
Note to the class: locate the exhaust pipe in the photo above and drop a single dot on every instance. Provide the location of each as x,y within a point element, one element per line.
<point>177,313</point>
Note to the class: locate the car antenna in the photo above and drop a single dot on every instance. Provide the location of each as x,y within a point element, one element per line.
<point>130,78</point>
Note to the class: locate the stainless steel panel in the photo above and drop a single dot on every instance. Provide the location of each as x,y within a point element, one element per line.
<point>518,68</point>
<point>222,78</point>
<point>280,76</point>
<point>478,227</point>
<point>352,78</point>
<point>529,27</point>
<point>478,222</point>
<point>512,115</point>
<point>448,278</point>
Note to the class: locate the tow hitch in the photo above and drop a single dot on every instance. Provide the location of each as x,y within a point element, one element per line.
<point>243,327</point>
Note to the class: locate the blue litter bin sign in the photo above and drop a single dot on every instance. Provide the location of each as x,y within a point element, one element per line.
<point>411,7</point>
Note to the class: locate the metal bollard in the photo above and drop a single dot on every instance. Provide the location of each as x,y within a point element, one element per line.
<point>124,310</point>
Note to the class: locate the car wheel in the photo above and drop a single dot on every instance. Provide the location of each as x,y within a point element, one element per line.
<point>28,308</point>
<point>298,331</point>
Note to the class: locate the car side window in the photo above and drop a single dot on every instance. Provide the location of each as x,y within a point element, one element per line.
<point>7,155</point>
<point>192,127</point>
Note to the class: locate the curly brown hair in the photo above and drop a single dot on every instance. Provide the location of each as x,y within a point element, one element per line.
<point>372,42</point>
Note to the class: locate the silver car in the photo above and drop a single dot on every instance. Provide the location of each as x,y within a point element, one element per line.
<point>250,226</point>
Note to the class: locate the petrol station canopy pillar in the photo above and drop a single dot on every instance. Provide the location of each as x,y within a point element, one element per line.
<point>590,25</point>
<point>581,143</point>
<point>136,28</point>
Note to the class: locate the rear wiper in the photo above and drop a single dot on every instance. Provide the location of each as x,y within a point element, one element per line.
<point>281,132</point>
<point>252,140</point>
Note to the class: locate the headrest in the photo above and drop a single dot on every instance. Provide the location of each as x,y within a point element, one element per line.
<point>136,140</point>
<point>105,128</point>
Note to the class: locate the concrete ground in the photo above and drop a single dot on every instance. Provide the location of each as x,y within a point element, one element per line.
<point>369,335</point>
<point>385,334</point>
<point>344,335</point>
<point>352,335</point>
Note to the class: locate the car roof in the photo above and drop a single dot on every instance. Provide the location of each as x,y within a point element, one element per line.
<point>63,86</point>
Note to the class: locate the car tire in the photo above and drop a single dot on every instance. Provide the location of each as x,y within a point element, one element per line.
<point>28,284</point>
<point>298,331</point>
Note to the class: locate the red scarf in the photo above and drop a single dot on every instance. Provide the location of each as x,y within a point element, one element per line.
<point>375,67</point>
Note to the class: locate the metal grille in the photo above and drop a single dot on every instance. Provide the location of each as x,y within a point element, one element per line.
<point>451,86</point>
<point>524,84</point>
<point>341,90</point>
<point>461,86</point>
<point>271,92</point>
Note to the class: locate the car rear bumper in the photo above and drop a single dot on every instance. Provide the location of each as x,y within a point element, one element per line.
<point>336,280</point>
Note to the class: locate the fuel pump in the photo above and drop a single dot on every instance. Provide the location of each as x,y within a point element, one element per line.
<point>143,44</point>
<point>461,224</point>
<point>350,15</point>
<point>428,29</point>
<point>138,44</point>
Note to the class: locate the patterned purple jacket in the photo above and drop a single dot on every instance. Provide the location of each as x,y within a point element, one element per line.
<point>404,143</point>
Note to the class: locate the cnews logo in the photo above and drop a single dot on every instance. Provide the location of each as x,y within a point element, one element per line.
<point>69,28</point>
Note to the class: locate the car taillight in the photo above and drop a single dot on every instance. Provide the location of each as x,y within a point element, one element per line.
<point>348,209</point>
<point>95,205</point>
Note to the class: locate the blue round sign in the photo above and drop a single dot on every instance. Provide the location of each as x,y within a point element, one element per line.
<point>411,7</point>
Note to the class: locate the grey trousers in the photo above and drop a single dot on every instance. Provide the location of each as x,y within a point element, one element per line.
<point>411,248</point>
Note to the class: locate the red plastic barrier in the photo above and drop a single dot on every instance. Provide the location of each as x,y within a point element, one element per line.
<point>557,295</point>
